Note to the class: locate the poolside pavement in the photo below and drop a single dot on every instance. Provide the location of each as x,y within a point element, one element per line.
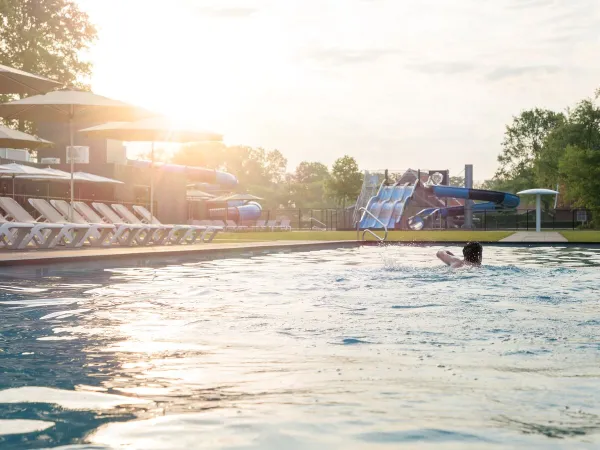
<point>217,249</point>
<point>532,236</point>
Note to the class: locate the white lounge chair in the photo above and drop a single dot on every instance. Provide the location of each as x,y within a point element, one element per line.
<point>144,234</point>
<point>97,234</point>
<point>231,225</point>
<point>260,225</point>
<point>125,233</point>
<point>284,225</point>
<point>15,235</point>
<point>161,233</point>
<point>270,225</point>
<point>191,232</point>
<point>44,234</point>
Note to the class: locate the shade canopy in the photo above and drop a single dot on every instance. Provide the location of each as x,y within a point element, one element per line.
<point>537,192</point>
<point>24,171</point>
<point>70,105</point>
<point>15,81</point>
<point>198,194</point>
<point>10,138</point>
<point>79,177</point>
<point>154,129</point>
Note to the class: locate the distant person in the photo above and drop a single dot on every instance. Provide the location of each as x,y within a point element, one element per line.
<point>472,253</point>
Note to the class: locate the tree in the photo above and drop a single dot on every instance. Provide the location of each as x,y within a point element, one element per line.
<point>580,168</point>
<point>309,172</point>
<point>346,180</point>
<point>308,185</point>
<point>203,154</point>
<point>523,143</point>
<point>46,38</point>
<point>457,181</point>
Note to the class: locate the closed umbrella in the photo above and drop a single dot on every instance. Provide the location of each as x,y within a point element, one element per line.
<point>70,105</point>
<point>155,129</point>
<point>15,81</point>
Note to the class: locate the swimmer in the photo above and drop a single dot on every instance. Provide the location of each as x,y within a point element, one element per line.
<point>472,252</point>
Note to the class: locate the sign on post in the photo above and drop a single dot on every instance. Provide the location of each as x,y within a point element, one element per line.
<point>78,154</point>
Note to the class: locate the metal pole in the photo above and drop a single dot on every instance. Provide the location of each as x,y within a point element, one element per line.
<point>70,152</point>
<point>538,213</point>
<point>152,182</point>
<point>469,203</point>
<point>527,219</point>
<point>13,187</point>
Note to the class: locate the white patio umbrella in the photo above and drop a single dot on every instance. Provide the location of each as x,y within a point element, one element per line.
<point>14,170</point>
<point>15,81</point>
<point>70,105</point>
<point>155,129</point>
<point>10,138</point>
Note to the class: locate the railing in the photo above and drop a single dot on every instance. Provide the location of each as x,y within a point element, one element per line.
<point>324,226</point>
<point>366,230</point>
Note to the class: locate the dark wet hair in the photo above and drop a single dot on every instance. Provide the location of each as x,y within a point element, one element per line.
<point>473,252</point>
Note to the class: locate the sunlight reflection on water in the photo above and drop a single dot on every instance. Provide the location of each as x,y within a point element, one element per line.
<point>347,348</point>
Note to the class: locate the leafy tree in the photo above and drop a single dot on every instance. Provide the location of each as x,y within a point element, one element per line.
<point>308,185</point>
<point>523,143</point>
<point>46,38</point>
<point>203,154</point>
<point>580,168</point>
<point>309,172</point>
<point>457,181</point>
<point>346,180</point>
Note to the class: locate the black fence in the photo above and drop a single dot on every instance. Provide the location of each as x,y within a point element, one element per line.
<point>313,219</point>
<point>525,219</point>
<point>521,219</point>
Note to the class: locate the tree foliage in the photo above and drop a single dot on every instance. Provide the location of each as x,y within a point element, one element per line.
<point>46,38</point>
<point>346,180</point>
<point>544,149</point>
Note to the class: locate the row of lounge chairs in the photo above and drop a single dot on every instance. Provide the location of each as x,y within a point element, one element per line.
<point>98,225</point>
<point>259,225</point>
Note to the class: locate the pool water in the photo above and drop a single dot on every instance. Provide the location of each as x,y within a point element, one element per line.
<point>360,348</point>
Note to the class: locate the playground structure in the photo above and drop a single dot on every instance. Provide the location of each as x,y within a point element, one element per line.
<point>417,200</point>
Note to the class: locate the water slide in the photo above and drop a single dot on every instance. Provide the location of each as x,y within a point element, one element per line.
<point>244,212</point>
<point>193,173</point>
<point>387,206</point>
<point>492,201</point>
<point>390,203</point>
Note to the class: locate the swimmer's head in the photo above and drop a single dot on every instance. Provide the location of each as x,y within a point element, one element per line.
<point>473,253</point>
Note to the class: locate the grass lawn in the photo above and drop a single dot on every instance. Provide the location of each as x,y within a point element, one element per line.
<point>393,236</point>
<point>582,236</point>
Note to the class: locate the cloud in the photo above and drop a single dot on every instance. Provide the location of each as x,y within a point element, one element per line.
<point>227,12</point>
<point>525,4</point>
<point>340,56</point>
<point>502,73</point>
<point>443,67</point>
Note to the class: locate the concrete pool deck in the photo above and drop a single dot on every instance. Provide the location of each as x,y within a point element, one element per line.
<point>532,236</point>
<point>56,256</point>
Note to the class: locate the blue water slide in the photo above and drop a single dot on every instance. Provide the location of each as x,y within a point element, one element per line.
<point>495,199</point>
<point>492,201</point>
<point>388,207</point>
<point>192,173</point>
<point>398,208</point>
<point>374,206</point>
<point>249,211</point>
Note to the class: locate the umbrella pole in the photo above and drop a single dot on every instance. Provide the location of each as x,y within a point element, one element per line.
<point>152,182</point>
<point>71,139</point>
<point>13,188</point>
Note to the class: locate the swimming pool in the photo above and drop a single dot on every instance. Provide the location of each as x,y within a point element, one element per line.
<point>346,349</point>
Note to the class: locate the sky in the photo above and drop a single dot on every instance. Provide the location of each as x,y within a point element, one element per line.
<point>425,84</point>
